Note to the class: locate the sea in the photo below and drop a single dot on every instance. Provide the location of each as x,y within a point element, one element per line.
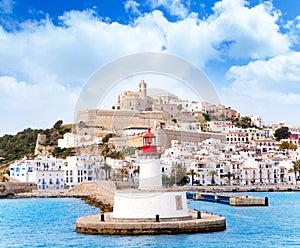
<point>50,222</point>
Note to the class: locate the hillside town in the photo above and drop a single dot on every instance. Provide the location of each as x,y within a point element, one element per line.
<point>200,143</point>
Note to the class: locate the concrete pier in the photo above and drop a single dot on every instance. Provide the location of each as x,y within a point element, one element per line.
<point>233,200</point>
<point>105,224</point>
<point>249,201</point>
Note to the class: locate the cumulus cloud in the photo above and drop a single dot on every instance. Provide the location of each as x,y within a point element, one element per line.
<point>273,85</point>
<point>244,32</point>
<point>33,105</point>
<point>293,27</point>
<point>83,42</point>
<point>132,6</point>
<point>177,8</point>
<point>279,74</point>
<point>48,56</point>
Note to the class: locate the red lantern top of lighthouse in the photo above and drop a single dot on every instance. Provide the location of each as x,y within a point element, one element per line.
<point>149,142</point>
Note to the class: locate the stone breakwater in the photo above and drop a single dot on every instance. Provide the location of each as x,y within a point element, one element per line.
<point>98,194</point>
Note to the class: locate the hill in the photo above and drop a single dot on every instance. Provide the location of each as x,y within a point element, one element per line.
<point>22,144</point>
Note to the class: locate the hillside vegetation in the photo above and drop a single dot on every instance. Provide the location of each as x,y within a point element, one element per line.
<point>23,143</point>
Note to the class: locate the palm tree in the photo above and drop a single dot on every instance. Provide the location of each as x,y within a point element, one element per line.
<point>109,151</point>
<point>229,175</point>
<point>295,169</point>
<point>192,173</point>
<point>123,171</point>
<point>213,173</point>
<point>106,167</point>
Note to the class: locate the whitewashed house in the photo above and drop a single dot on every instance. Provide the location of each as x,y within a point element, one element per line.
<point>46,172</point>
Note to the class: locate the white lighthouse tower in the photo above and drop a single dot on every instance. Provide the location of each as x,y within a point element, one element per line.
<point>150,177</point>
<point>150,199</point>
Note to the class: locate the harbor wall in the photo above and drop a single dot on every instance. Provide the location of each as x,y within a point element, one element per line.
<point>10,188</point>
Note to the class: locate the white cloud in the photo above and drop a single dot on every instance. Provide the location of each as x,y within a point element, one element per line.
<point>7,6</point>
<point>278,74</point>
<point>48,57</point>
<point>132,6</point>
<point>293,27</point>
<point>25,105</point>
<point>272,86</point>
<point>71,52</point>
<point>177,8</point>
<point>243,32</point>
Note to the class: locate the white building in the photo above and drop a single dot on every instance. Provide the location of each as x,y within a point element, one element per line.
<point>47,179</point>
<point>75,140</point>
<point>46,172</point>
<point>83,168</point>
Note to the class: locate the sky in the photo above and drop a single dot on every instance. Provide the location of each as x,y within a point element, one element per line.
<point>249,50</point>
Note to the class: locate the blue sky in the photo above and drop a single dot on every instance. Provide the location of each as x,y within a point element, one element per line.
<point>48,49</point>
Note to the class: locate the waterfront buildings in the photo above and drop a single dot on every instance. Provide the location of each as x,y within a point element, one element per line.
<point>53,173</point>
<point>46,172</point>
<point>209,152</point>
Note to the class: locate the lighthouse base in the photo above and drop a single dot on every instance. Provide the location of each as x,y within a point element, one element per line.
<point>145,205</point>
<point>96,224</point>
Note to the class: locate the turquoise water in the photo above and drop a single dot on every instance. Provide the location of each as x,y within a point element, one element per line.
<point>51,223</point>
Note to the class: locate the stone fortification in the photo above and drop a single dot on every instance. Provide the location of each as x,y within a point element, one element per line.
<point>9,188</point>
<point>165,136</point>
<point>116,120</point>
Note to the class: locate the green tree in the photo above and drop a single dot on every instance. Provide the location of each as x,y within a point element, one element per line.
<point>282,133</point>
<point>295,169</point>
<point>178,175</point>
<point>285,145</point>
<point>179,107</point>
<point>106,138</point>
<point>115,154</point>
<point>245,122</point>
<point>206,116</point>
<point>213,173</point>
<point>107,168</point>
<point>129,150</point>
<point>123,172</point>
<point>192,173</point>
<point>229,175</point>
<point>62,152</point>
<point>58,124</point>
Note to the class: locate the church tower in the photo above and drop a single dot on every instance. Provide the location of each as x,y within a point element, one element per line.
<point>143,89</point>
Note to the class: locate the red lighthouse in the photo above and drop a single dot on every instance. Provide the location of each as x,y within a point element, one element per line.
<point>149,142</point>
